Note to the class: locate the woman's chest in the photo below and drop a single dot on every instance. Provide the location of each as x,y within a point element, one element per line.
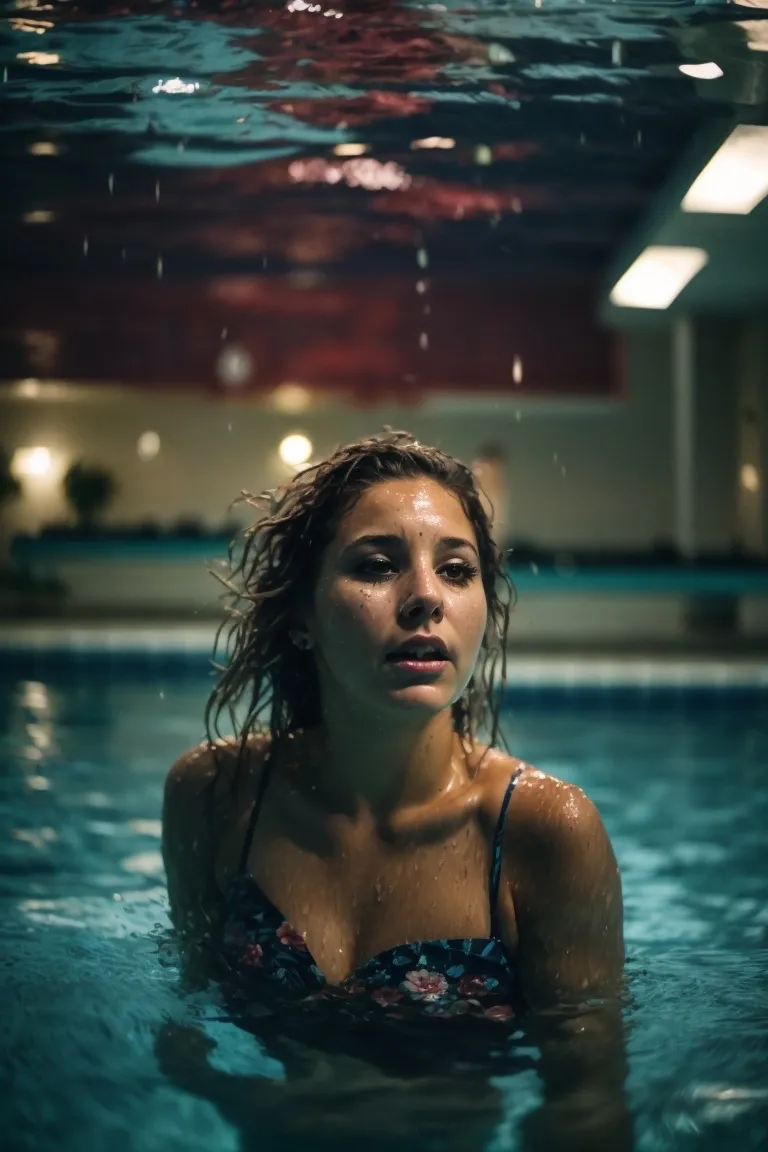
<point>358,901</point>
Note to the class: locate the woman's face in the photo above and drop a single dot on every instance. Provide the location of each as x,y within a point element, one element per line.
<point>403,563</point>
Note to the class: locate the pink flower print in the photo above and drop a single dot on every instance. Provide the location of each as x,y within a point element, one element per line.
<point>424,985</point>
<point>499,1012</point>
<point>386,996</point>
<point>252,955</point>
<point>290,938</point>
<point>476,985</point>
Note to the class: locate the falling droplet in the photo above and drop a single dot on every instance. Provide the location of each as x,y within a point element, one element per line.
<point>180,146</point>
<point>224,333</point>
<point>582,138</point>
<point>123,253</point>
<point>422,258</point>
<point>639,137</point>
<point>263,261</point>
<point>517,370</point>
<point>617,52</point>
<point>483,155</point>
<point>159,267</point>
<point>518,415</point>
<point>85,246</point>
<point>423,341</point>
<point>111,183</point>
<point>157,191</point>
<point>421,287</point>
<point>517,205</point>
<point>5,75</point>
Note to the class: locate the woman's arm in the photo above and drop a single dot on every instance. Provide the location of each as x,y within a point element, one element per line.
<point>568,907</point>
<point>196,905</point>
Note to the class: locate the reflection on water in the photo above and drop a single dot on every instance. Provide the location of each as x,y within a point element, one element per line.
<point>92,980</point>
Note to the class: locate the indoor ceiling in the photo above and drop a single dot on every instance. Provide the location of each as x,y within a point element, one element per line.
<point>195,140</point>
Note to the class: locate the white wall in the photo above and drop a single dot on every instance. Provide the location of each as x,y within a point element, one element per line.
<point>616,490</point>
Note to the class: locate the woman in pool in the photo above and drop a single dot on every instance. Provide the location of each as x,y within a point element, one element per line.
<point>367,850</point>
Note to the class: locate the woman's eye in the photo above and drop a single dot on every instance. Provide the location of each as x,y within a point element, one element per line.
<point>457,572</point>
<point>462,572</point>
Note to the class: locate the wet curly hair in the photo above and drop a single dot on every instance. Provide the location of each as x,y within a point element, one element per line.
<point>274,568</point>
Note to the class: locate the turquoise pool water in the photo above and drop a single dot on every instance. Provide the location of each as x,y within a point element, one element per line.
<point>88,977</point>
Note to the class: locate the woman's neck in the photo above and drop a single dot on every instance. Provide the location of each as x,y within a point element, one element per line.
<point>354,767</point>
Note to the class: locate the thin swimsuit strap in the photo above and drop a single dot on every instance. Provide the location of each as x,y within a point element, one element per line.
<point>496,856</point>
<point>498,853</point>
<point>257,804</point>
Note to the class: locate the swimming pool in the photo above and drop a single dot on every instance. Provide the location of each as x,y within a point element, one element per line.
<point>88,979</point>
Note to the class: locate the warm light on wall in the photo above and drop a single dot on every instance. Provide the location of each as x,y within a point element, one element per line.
<point>148,445</point>
<point>29,462</point>
<point>29,389</point>
<point>295,449</point>
<point>750,478</point>
<point>291,398</point>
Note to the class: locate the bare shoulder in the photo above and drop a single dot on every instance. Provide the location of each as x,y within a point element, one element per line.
<point>213,762</point>
<point>545,811</point>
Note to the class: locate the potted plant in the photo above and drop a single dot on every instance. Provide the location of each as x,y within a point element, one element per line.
<point>88,491</point>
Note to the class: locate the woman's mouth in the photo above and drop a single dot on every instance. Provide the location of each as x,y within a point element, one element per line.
<point>407,662</point>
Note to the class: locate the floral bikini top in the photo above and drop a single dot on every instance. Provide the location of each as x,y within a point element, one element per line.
<point>444,978</point>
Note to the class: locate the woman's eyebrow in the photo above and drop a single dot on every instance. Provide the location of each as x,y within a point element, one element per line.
<point>391,541</point>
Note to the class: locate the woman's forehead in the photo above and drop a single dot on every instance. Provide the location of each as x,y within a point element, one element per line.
<point>397,505</point>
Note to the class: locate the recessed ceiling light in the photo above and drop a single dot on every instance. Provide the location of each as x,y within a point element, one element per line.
<point>736,178</point>
<point>657,277</point>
